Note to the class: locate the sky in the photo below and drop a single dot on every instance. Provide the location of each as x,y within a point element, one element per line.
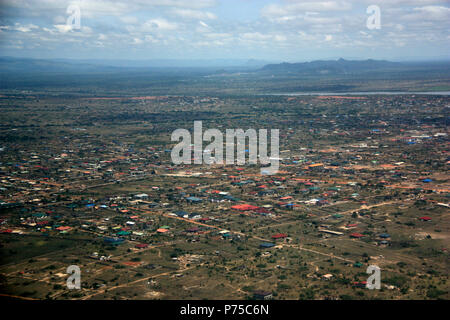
<point>284,30</point>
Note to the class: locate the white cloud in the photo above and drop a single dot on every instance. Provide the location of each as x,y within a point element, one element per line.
<point>194,14</point>
<point>159,24</point>
<point>202,27</point>
<point>63,28</point>
<point>434,12</point>
<point>179,25</point>
<point>276,11</point>
<point>20,27</point>
<point>255,36</point>
<point>93,8</point>
<point>151,39</point>
<point>129,19</point>
<point>280,38</point>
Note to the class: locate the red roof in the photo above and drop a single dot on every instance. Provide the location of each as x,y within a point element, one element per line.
<point>356,235</point>
<point>244,207</point>
<point>63,228</point>
<point>425,218</point>
<point>141,245</point>
<point>279,236</point>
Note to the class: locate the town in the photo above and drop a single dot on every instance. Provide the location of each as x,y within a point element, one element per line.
<point>89,181</point>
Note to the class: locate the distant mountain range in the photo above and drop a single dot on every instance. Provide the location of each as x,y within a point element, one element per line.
<point>29,65</point>
<point>341,66</point>
<point>11,67</point>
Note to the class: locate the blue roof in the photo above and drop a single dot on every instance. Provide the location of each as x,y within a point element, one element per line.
<point>230,198</point>
<point>113,240</point>
<point>195,199</point>
<point>267,245</point>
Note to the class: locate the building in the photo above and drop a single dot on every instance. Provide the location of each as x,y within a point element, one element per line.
<point>262,295</point>
<point>279,236</point>
<point>356,235</point>
<point>327,276</point>
<point>266,245</point>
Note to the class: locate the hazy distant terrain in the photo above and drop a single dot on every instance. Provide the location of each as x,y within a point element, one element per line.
<point>91,77</point>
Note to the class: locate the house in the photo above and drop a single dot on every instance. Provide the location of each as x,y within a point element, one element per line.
<point>262,295</point>
<point>141,246</point>
<point>360,284</point>
<point>230,198</point>
<point>193,200</point>
<point>279,236</point>
<point>266,245</point>
<point>336,233</point>
<point>356,235</point>
<point>64,228</point>
<point>195,216</point>
<point>425,218</point>
<point>244,207</point>
<point>141,196</point>
<point>114,241</point>
<point>182,214</point>
<point>261,211</point>
<point>327,276</point>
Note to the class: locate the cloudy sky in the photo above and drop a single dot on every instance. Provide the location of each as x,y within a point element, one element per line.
<point>289,30</point>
